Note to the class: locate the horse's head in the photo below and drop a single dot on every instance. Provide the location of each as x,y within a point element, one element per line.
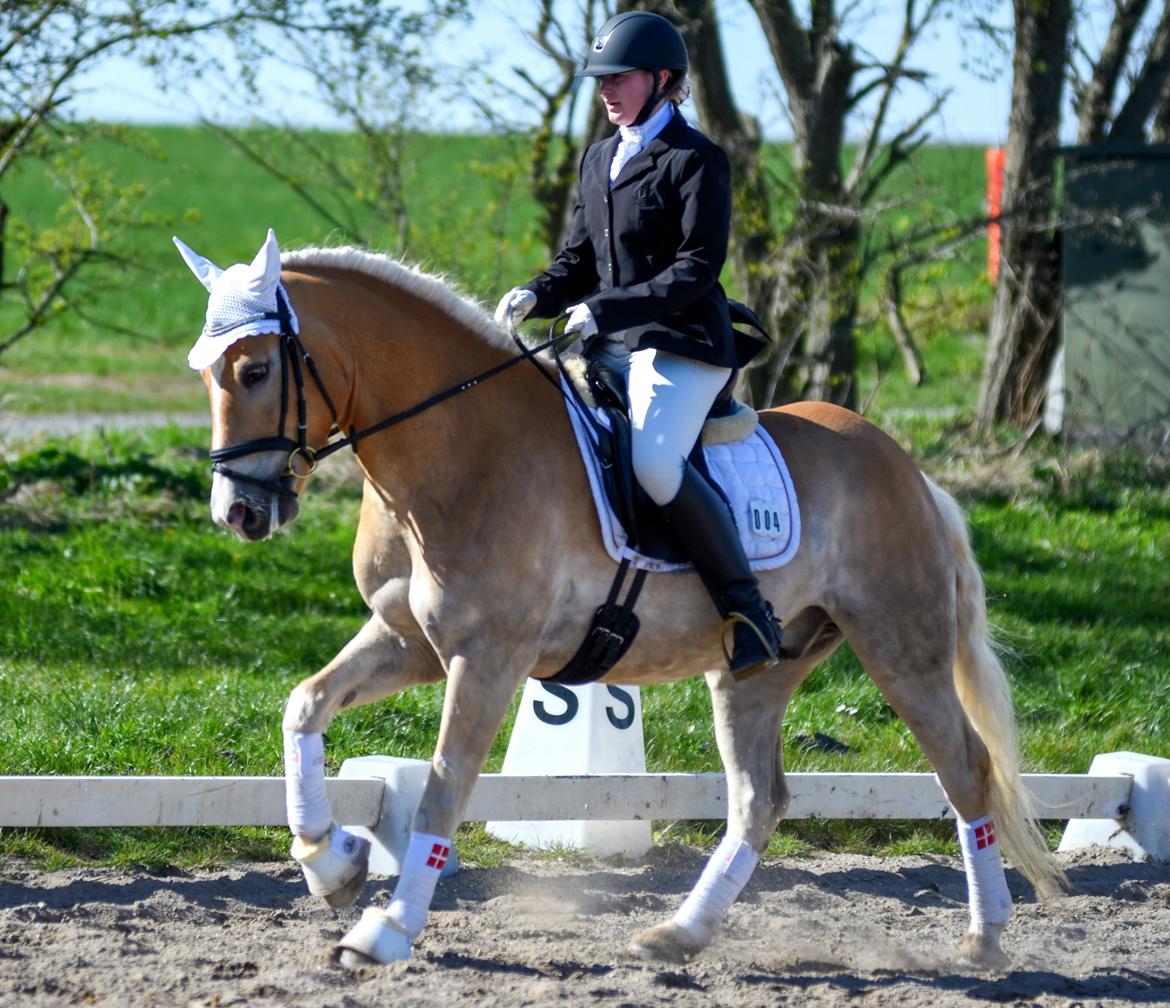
<point>248,357</point>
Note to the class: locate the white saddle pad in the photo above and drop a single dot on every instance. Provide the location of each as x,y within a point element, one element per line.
<point>753,475</point>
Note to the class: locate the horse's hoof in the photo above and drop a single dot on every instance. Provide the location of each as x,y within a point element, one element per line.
<point>980,947</point>
<point>665,943</point>
<point>335,866</point>
<point>351,960</point>
<point>375,940</point>
<point>347,895</point>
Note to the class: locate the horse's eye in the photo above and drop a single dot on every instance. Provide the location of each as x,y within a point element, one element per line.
<point>254,374</point>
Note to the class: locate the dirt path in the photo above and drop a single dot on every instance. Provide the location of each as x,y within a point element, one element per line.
<point>22,426</point>
<point>829,930</point>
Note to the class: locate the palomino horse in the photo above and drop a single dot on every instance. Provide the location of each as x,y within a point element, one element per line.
<point>478,557</point>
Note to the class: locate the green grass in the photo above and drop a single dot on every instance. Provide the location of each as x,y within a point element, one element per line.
<point>470,218</point>
<point>196,185</point>
<point>137,639</point>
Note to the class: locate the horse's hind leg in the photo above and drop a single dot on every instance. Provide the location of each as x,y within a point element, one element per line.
<point>922,692</point>
<point>375,663</point>
<point>748,718</point>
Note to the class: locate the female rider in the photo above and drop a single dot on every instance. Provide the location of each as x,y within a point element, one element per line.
<point>639,276</point>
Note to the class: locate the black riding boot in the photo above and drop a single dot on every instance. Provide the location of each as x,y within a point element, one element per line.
<point>703,522</point>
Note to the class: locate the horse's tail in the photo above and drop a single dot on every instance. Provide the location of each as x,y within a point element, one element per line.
<point>986,697</point>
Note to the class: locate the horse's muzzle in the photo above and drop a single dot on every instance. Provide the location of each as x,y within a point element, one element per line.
<point>251,516</point>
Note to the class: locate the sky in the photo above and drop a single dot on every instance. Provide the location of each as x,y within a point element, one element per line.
<point>975,112</point>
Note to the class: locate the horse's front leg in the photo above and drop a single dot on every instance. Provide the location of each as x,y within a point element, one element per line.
<point>374,664</point>
<point>748,716</point>
<point>473,709</point>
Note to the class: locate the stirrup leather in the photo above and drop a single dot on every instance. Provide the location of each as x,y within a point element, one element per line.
<point>772,657</point>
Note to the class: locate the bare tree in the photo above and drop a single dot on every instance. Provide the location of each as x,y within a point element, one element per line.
<point>1024,334</point>
<point>45,48</point>
<point>373,79</point>
<point>1095,93</point>
<point>805,273</point>
<point>556,146</point>
<point>1026,301</point>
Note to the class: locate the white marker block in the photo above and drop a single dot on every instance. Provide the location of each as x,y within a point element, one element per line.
<point>404,780</point>
<point>577,730</point>
<point>1145,829</point>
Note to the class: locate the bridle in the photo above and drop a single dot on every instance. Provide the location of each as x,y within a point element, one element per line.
<point>303,459</point>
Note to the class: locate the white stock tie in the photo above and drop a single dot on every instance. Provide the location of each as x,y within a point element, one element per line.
<point>628,146</point>
<point>634,138</point>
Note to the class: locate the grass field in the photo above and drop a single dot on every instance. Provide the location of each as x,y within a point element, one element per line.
<point>135,638</point>
<point>469,218</point>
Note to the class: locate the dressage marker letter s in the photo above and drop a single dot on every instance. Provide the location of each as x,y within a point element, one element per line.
<point>584,730</point>
<point>620,721</point>
<point>566,696</point>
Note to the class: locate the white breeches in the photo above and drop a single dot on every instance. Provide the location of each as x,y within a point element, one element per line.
<point>669,400</point>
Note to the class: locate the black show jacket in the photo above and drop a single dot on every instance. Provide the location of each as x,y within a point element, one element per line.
<point>645,255</point>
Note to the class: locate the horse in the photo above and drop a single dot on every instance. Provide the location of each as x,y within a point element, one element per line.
<point>477,555</point>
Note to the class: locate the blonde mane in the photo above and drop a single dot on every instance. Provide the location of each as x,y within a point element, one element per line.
<point>408,279</point>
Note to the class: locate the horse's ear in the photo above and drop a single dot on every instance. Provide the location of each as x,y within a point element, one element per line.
<point>204,269</point>
<point>267,261</point>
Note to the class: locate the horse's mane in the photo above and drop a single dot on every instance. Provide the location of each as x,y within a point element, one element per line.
<point>408,279</point>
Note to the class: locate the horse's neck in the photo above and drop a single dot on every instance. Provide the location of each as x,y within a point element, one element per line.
<point>402,352</point>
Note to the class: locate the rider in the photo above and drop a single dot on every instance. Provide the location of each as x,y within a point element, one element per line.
<point>639,277</point>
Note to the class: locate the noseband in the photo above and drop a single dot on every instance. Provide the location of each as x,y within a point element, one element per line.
<point>303,459</point>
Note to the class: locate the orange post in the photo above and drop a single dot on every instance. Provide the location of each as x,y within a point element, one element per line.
<point>993,159</point>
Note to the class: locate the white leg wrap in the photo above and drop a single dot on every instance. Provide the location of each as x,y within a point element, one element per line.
<point>304,780</point>
<point>724,876</point>
<point>426,856</point>
<point>987,890</point>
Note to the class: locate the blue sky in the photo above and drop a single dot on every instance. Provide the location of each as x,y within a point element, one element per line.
<point>976,111</point>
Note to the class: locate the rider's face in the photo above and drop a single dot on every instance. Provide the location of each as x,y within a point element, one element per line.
<point>624,95</point>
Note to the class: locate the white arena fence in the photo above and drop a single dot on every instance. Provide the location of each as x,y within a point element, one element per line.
<point>559,785</point>
<point>259,801</point>
<point>1124,809</point>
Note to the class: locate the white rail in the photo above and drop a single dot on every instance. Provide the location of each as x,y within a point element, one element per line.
<point>259,801</point>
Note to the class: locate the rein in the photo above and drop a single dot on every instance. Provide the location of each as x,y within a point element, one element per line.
<point>304,459</point>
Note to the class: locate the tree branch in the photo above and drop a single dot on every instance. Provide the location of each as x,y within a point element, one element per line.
<point>1093,100</point>
<point>1148,87</point>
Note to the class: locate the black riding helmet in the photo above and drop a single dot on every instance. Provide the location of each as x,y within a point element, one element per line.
<point>637,40</point>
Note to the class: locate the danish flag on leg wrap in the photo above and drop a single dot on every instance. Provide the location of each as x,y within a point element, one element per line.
<point>438,856</point>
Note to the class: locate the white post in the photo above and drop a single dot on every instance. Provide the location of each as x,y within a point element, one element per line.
<point>577,730</point>
<point>403,784</point>
<point>1144,830</point>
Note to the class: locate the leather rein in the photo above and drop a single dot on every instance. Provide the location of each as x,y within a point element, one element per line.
<point>303,459</point>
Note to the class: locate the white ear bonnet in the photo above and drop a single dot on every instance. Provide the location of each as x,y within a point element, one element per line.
<point>241,300</point>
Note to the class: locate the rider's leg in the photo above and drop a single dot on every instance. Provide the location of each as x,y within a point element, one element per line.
<point>669,400</point>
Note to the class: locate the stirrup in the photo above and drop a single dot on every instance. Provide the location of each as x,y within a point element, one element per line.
<point>770,658</point>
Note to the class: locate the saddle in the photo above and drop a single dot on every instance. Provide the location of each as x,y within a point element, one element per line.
<point>615,624</point>
<point>646,529</point>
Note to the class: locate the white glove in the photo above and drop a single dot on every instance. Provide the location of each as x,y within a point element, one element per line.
<point>518,302</point>
<point>581,322</point>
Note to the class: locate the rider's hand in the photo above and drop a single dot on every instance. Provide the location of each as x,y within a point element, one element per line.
<point>581,322</point>
<point>518,302</point>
